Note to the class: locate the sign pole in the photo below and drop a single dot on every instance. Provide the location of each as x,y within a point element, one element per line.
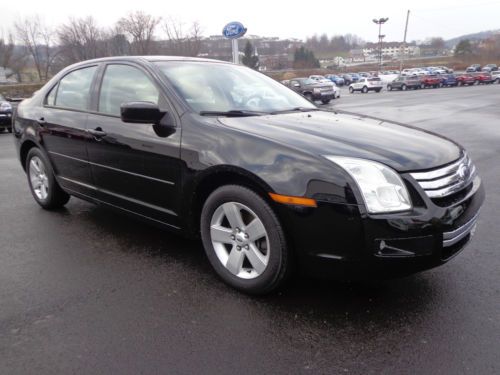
<point>234,43</point>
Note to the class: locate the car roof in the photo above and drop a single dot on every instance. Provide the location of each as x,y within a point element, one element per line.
<point>143,59</point>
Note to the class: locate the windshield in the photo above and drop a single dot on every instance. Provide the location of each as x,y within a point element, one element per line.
<point>216,87</point>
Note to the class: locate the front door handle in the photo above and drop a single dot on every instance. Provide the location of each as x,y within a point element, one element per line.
<point>97,132</point>
<point>41,121</point>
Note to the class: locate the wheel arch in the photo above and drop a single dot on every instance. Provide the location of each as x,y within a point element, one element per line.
<point>25,148</point>
<point>213,178</point>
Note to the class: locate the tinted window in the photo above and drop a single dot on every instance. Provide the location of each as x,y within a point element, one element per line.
<point>74,89</point>
<point>123,84</point>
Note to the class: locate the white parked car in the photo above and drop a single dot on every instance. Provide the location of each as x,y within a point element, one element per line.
<point>496,76</point>
<point>366,84</point>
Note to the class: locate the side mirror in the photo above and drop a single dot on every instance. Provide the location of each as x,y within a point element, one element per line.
<point>141,113</point>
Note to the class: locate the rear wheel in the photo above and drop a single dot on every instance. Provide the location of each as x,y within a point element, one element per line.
<point>422,86</point>
<point>325,101</point>
<point>244,240</point>
<point>389,87</point>
<point>43,185</point>
<point>403,87</point>
<point>309,97</point>
<point>10,130</point>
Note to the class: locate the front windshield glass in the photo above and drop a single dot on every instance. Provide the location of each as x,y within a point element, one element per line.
<point>216,87</point>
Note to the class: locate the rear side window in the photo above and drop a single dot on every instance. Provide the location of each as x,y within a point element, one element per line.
<point>123,84</point>
<point>74,89</point>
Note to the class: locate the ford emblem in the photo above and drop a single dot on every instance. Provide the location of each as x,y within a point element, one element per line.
<point>234,30</point>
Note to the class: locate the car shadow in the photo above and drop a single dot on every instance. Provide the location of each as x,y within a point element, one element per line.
<point>319,300</point>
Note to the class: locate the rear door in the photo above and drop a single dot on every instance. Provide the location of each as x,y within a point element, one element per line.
<point>64,135</point>
<point>134,166</point>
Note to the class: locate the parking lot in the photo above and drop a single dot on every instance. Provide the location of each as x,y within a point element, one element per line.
<point>86,290</point>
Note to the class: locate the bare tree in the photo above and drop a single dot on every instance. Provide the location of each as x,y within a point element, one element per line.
<point>37,38</point>
<point>141,28</point>
<point>6,51</point>
<point>179,42</point>
<point>80,39</point>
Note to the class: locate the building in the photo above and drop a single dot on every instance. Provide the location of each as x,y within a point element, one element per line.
<point>391,50</point>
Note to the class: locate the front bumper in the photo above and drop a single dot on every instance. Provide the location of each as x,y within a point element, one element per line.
<point>342,241</point>
<point>5,119</point>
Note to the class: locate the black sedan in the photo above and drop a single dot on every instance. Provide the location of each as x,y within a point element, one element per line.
<point>264,177</point>
<point>5,115</point>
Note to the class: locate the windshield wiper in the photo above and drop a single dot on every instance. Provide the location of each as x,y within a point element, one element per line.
<point>296,109</point>
<point>233,113</point>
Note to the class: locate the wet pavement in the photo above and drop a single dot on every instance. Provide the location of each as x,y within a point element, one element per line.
<point>89,291</point>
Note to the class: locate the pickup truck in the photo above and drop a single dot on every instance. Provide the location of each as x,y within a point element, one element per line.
<point>312,89</point>
<point>5,115</point>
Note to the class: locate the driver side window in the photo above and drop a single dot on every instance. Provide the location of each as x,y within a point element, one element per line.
<point>123,84</point>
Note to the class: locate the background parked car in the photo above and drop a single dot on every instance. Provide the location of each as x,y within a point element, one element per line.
<point>366,84</point>
<point>465,79</point>
<point>404,82</point>
<point>339,81</point>
<point>5,115</point>
<point>483,78</point>
<point>448,80</point>
<point>431,80</point>
<point>473,68</point>
<point>496,76</point>
<point>490,68</point>
<point>313,90</point>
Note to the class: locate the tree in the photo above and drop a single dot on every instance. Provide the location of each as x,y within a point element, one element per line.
<point>38,41</point>
<point>6,51</point>
<point>141,28</point>
<point>304,58</point>
<point>463,48</point>
<point>250,59</point>
<point>80,39</point>
<point>179,42</point>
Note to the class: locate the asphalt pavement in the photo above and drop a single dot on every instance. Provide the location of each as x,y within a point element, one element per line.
<point>85,290</point>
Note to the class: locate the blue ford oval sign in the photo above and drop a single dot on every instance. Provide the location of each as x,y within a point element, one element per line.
<point>234,30</point>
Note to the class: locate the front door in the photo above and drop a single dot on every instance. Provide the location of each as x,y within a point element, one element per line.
<point>133,167</point>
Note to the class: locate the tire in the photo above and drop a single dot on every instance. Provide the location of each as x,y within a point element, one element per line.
<point>325,101</point>
<point>378,90</point>
<point>364,90</point>
<point>260,271</point>
<point>10,130</point>
<point>47,193</point>
<point>309,97</point>
<point>441,85</point>
<point>422,86</point>
<point>351,90</point>
<point>403,88</point>
<point>459,83</point>
<point>389,88</point>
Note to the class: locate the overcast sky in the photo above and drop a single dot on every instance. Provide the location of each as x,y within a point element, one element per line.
<point>446,18</point>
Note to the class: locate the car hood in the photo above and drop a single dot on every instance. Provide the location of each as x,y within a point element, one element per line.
<point>327,133</point>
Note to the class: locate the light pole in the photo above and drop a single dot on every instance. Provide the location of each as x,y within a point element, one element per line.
<point>380,22</point>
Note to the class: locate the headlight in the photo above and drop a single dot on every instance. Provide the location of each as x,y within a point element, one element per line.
<point>4,106</point>
<point>381,187</point>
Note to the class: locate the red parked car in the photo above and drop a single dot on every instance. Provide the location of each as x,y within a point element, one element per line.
<point>465,79</point>
<point>483,77</point>
<point>431,80</point>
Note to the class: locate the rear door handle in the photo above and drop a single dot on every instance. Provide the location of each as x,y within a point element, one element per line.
<point>97,132</point>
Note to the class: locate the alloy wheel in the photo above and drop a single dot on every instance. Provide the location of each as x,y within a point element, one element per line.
<point>240,240</point>
<point>38,178</point>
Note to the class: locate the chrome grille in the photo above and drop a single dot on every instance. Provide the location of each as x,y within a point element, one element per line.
<point>445,181</point>
<point>451,238</point>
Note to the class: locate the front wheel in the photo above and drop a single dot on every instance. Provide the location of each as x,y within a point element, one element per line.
<point>364,90</point>
<point>325,101</point>
<point>42,183</point>
<point>403,87</point>
<point>389,87</point>
<point>244,240</point>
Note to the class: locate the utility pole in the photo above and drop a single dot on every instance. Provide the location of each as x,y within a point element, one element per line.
<point>380,22</point>
<point>403,52</point>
